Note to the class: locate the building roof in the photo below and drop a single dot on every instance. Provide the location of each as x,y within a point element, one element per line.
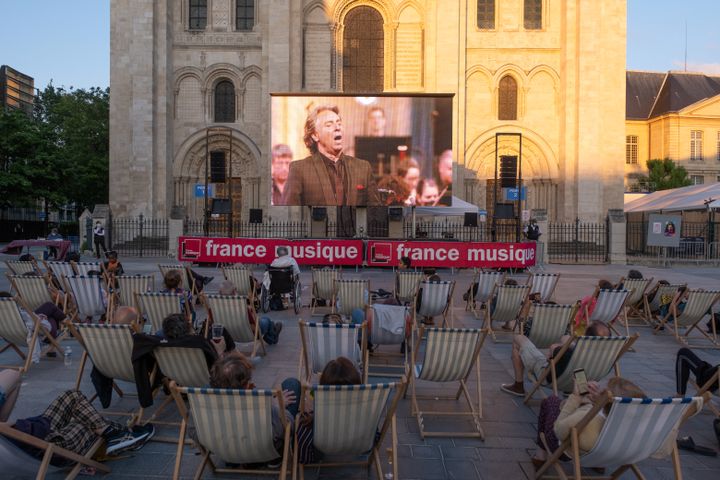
<point>651,94</point>
<point>678,199</point>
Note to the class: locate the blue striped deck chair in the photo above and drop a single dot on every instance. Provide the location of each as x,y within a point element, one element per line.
<point>651,306</point>
<point>236,427</point>
<point>32,290</point>
<point>324,288</point>
<point>346,422</point>
<point>634,430</point>
<point>637,288</point>
<point>389,327</point>
<point>352,294</point>
<point>89,296</point>
<point>450,356</point>
<point>16,267</point>
<point>436,299</point>
<point>83,268</point>
<point>155,306</point>
<point>610,307</point>
<point>15,333</point>
<point>486,282</point>
<point>598,356</point>
<point>549,323</point>
<point>239,276</point>
<point>508,309</point>
<point>231,311</point>
<point>188,281</point>
<point>109,348</point>
<point>407,285</point>
<point>544,284</point>
<point>17,463</point>
<point>697,306</point>
<point>322,342</point>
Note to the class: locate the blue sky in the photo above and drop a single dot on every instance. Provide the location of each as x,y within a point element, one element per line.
<point>69,41</point>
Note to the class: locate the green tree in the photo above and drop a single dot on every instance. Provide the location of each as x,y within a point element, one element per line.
<point>665,174</point>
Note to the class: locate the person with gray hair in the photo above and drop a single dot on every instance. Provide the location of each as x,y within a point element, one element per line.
<point>279,168</point>
<point>328,177</point>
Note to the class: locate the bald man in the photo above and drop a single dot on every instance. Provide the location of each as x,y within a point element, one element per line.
<point>125,316</point>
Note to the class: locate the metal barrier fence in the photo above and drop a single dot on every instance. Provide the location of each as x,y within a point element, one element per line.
<point>698,244</point>
<point>578,242</point>
<point>138,236</point>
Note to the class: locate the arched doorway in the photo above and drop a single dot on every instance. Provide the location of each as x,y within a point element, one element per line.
<point>363,51</point>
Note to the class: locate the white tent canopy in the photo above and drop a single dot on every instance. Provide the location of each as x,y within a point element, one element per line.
<point>677,199</point>
<point>459,207</point>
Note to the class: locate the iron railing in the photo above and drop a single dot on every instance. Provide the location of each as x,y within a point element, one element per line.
<point>578,242</point>
<point>138,236</point>
<point>698,243</point>
<point>219,228</point>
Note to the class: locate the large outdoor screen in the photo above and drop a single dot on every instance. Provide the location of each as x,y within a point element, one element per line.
<point>361,151</point>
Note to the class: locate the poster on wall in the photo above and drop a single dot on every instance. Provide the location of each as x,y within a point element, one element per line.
<point>664,230</point>
<point>345,150</point>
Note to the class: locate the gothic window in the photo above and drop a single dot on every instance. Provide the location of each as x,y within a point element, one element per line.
<point>507,98</point>
<point>363,51</point>
<point>532,14</point>
<point>244,14</point>
<point>486,14</point>
<point>198,14</point>
<point>225,102</point>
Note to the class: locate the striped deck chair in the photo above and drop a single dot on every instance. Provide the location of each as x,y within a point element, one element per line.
<point>509,303</point>
<point>436,299</point>
<point>33,290</point>
<point>155,307</point>
<point>17,267</point>
<point>596,355</point>
<point>89,295</point>
<point>697,306</point>
<point>83,268</point>
<point>322,342</point>
<point>17,463</point>
<point>239,275</point>
<point>486,282</point>
<point>14,331</point>
<point>389,327</point>
<point>609,307</point>
<point>236,427</point>
<point>707,388</point>
<point>652,306</point>
<point>634,430</point>
<point>407,285</point>
<point>549,323</point>
<point>352,294</point>
<point>128,286</point>
<point>231,311</point>
<point>109,347</point>
<point>450,355</point>
<point>544,284</point>
<point>324,288</point>
<point>346,421</point>
<point>58,269</point>
<point>637,288</point>
<point>188,281</point>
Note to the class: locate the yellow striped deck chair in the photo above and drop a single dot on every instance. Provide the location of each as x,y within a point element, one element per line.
<point>544,284</point>
<point>637,288</point>
<point>509,303</point>
<point>549,323</point>
<point>17,267</point>
<point>436,299</point>
<point>240,275</point>
<point>352,294</point>
<point>83,268</point>
<point>14,331</point>
<point>155,306</point>
<point>486,282</point>
<point>650,306</point>
<point>236,427</point>
<point>89,296</point>
<point>598,356</point>
<point>697,306</point>
<point>346,422</point>
<point>407,285</point>
<point>32,290</point>
<point>450,356</point>
<point>188,281</point>
<point>324,288</point>
<point>231,311</point>
<point>322,342</point>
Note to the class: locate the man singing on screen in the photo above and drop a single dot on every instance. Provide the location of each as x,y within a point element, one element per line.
<point>328,177</point>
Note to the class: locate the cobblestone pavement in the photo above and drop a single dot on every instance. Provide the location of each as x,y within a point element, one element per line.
<point>509,425</point>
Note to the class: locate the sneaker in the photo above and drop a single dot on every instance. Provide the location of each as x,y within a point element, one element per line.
<point>513,389</point>
<point>277,327</point>
<point>149,427</point>
<point>274,463</point>
<point>126,439</point>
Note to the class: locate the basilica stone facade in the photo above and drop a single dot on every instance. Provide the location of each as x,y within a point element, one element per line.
<point>192,77</point>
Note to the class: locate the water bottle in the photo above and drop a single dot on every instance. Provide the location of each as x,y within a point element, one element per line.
<point>68,356</point>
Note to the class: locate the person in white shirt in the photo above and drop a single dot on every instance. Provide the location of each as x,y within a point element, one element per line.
<point>99,238</point>
<point>284,260</point>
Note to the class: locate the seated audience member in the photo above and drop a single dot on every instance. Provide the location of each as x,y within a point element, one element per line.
<point>557,419</point>
<point>53,251</point>
<point>113,267</point>
<point>172,283</point>
<point>50,316</point>
<point>430,276</point>
<point>526,356</point>
<point>666,301</point>
<point>582,316</point>
<point>234,371</point>
<point>686,363</point>
<point>635,275</point>
<point>651,293</point>
<point>200,281</point>
<point>269,330</point>
<point>9,391</point>
<point>283,260</point>
<point>340,371</point>
<point>405,263</point>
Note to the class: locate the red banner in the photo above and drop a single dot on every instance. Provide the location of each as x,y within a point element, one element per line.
<point>451,254</point>
<point>262,250</point>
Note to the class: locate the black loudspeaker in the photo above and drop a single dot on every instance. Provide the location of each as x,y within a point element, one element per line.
<point>256,215</point>
<point>508,171</point>
<point>217,167</point>
<point>319,213</point>
<point>470,219</point>
<point>395,213</point>
<point>220,206</point>
<point>504,211</point>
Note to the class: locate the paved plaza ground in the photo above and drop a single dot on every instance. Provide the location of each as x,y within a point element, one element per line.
<point>510,426</point>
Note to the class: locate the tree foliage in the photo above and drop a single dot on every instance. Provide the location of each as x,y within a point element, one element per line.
<point>665,174</point>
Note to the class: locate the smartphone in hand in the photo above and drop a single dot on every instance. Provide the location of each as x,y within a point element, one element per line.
<point>581,381</point>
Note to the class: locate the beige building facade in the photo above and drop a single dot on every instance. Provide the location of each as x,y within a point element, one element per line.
<point>189,77</point>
